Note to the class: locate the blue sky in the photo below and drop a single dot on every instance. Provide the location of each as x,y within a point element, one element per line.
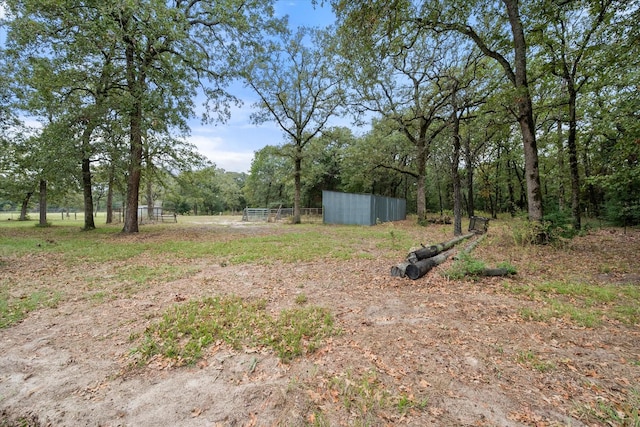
<point>231,146</point>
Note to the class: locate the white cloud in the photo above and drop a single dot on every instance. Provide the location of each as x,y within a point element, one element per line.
<point>229,147</point>
<point>219,153</point>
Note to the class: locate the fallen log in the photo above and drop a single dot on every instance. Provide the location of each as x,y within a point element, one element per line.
<point>416,270</point>
<point>496,272</point>
<point>430,251</point>
<point>471,246</point>
<point>400,269</point>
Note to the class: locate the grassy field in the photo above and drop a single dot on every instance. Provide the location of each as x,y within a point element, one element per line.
<point>167,249</point>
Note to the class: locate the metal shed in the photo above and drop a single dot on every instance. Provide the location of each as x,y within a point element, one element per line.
<point>361,209</point>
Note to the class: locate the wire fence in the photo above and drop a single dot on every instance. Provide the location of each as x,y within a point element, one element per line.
<point>277,214</point>
<point>51,215</point>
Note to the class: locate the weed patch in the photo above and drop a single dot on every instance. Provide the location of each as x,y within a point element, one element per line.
<point>13,310</point>
<point>185,331</point>
<point>463,266</point>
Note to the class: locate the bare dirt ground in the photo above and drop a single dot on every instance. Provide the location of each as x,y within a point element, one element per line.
<point>426,352</point>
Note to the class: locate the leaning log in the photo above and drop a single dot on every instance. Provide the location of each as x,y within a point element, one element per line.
<point>471,246</point>
<point>422,267</point>
<point>400,269</point>
<point>433,250</point>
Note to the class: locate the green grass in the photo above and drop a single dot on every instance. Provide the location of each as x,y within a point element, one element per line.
<point>187,330</point>
<point>69,242</point>
<point>107,243</point>
<point>465,265</point>
<point>312,243</point>
<point>105,263</point>
<point>531,359</point>
<point>14,309</point>
<point>586,305</point>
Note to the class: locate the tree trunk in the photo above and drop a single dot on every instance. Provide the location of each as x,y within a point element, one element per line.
<point>422,267</point>
<point>298,185</point>
<point>433,250</point>
<point>525,114</point>
<point>455,173</point>
<point>400,269</point>
<point>496,272</point>
<point>89,223</point>
<point>149,184</point>
<point>591,190</point>
<point>471,246</point>
<point>421,198</point>
<point>136,88</point>
<point>110,197</point>
<point>573,158</point>
<point>560,146</point>
<point>135,172</point>
<point>150,202</point>
<point>43,202</point>
<point>512,199</point>
<point>25,206</point>
<point>469,167</point>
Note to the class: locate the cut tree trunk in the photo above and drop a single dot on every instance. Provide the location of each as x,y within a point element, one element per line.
<point>433,250</point>
<point>400,269</point>
<point>420,268</point>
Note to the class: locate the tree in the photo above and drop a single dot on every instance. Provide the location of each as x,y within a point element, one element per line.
<point>398,73</point>
<point>381,162</point>
<point>299,90</point>
<point>65,73</point>
<point>268,179</point>
<point>506,43</point>
<point>162,52</point>
<point>324,164</point>
<point>572,41</point>
<point>612,140</point>
<point>18,180</point>
<point>190,43</point>
<point>230,190</point>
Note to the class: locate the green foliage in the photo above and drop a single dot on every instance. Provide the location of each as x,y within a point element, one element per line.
<point>558,225</point>
<point>465,265</point>
<point>506,265</point>
<point>621,210</point>
<point>205,191</point>
<point>185,331</point>
<point>554,229</point>
<point>269,180</point>
<point>301,299</point>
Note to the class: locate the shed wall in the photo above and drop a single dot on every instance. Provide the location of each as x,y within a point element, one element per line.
<point>360,209</point>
